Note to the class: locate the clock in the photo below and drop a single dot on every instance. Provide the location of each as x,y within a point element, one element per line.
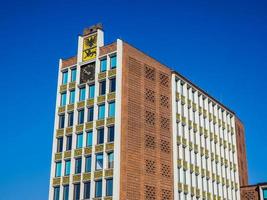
<point>87,73</point>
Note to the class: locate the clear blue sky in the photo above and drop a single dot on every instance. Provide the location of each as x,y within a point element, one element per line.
<point>221,46</point>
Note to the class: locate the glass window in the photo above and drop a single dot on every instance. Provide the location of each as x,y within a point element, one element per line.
<point>111,134</point>
<point>61,121</point>
<point>69,143</point>
<point>91,91</point>
<point>78,165</point>
<point>100,136</point>
<point>63,99</point>
<point>82,94</point>
<point>87,190</point>
<point>70,120</point>
<point>265,194</point>
<point>112,85</point>
<point>72,97</point>
<point>56,193</point>
<point>65,77</point>
<point>99,161</point>
<point>73,74</point>
<point>113,62</point>
<point>98,188</point>
<point>79,143</point>
<point>111,109</point>
<point>58,169</point>
<point>109,187</point>
<point>89,141</point>
<point>88,164</point>
<point>66,192</point>
<point>110,160</point>
<point>81,116</point>
<point>67,167</point>
<point>59,144</point>
<point>76,193</point>
<point>90,114</point>
<point>103,65</point>
<point>101,111</point>
<point>102,88</point>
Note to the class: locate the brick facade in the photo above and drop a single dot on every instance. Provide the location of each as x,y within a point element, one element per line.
<point>146,138</point>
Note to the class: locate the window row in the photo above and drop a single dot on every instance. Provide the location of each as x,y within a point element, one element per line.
<point>91,92</point>
<point>87,190</point>
<point>89,139</point>
<point>103,68</point>
<point>90,115</point>
<point>99,164</point>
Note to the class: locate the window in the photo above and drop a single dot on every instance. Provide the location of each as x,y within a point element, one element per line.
<point>70,120</point>
<point>79,142</point>
<point>78,165</point>
<point>89,141</point>
<point>72,97</point>
<point>113,62</point>
<point>101,111</point>
<point>91,91</point>
<point>102,88</point>
<point>100,136</point>
<point>87,190</point>
<point>111,134</point>
<point>88,164</point>
<point>103,65</point>
<point>59,144</point>
<point>66,192</point>
<point>81,116</point>
<point>65,77</point>
<point>111,109</point>
<point>112,85</point>
<point>110,160</point>
<point>63,99</point>
<point>69,143</point>
<point>109,187</point>
<point>56,193</point>
<point>67,167</point>
<point>82,94</point>
<point>58,169</point>
<point>265,194</point>
<point>90,114</point>
<point>98,188</point>
<point>61,121</point>
<point>76,192</point>
<point>73,75</point>
<point>99,161</point>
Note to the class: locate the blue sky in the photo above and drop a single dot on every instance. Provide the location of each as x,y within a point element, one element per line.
<point>219,45</point>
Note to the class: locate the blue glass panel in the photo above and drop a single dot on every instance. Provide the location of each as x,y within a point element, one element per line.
<point>101,111</point>
<point>67,168</point>
<point>103,65</point>
<point>82,94</point>
<point>91,91</point>
<point>66,192</point>
<point>89,141</point>
<point>111,110</point>
<point>58,169</point>
<point>88,164</point>
<point>63,99</point>
<point>64,77</point>
<point>113,62</point>
<point>109,187</point>
<point>72,96</point>
<point>265,194</point>
<point>98,188</point>
<point>79,141</point>
<point>73,75</point>
<point>56,193</point>
<point>99,161</point>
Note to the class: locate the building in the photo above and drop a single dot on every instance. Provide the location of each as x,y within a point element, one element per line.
<point>254,192</point>
<point>128,127</point>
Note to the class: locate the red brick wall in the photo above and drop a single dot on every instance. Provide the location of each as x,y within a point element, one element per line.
<point>146,140</point>
<point>249,193</point>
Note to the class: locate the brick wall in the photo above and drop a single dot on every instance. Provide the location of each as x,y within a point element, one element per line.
<point>146,140</point>
<point>249,193</point>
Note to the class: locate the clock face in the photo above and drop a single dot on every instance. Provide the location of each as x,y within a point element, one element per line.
<point>89,47</point>
<point>87,73</point>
